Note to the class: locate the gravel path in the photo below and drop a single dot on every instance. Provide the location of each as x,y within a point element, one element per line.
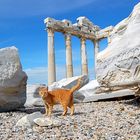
<point>109,120</point>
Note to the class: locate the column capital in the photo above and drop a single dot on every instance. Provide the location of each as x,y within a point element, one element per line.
<point>83,42</point>
<point>95,40</point>
<point>67,36</point>
<point>109,37</point>
<point>68,39</point>
<point>96,43</point>
<point>50,32</point>
<point>83,39</point>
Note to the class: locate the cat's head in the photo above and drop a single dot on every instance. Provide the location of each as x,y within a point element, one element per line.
<point>43,92</point>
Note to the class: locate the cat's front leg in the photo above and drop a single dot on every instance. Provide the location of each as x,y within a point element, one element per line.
<point>50,110</point>
<point>46,109</point>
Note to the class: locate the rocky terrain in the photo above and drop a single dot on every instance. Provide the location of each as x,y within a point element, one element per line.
<point>104,120</point>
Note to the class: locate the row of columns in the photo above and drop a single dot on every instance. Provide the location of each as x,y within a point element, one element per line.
<point>69,64</point>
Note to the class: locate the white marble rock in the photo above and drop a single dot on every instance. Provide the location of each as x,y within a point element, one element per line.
<point>28,120</point>
<point>119,64</point>
<point>47,121</point>
<point>68,83</point>
<point>88,93</point>
<point>12,80</point>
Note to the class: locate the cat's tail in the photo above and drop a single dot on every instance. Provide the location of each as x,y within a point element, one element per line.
<point>77,86</point>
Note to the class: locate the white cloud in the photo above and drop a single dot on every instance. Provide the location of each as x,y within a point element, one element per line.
<point>23,8</point>
<point>5,40</point>
<point>39,75</point>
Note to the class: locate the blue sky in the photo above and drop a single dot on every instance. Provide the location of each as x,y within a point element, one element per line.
<point>22,25</point>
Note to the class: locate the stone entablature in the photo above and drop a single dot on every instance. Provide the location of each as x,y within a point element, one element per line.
<point>83,29</point>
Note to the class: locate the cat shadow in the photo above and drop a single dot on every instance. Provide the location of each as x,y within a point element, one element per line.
<point>59,113</point>
<point>79,113</point>
<point>31,110</point>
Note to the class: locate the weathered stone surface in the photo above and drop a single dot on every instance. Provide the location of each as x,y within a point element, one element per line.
<point>87,24</point>
<point>118,66</point>
<point>89,93</point>
<point>12,80</point>
<point>108,95</point>
<point>83,27</point>
<point>28,120</point>
<point>104,32</point>
<point>68,83</point>
<point>39,119</point>
<point>47,121</point>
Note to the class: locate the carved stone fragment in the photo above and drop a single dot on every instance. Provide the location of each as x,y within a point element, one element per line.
<point>119,64</point>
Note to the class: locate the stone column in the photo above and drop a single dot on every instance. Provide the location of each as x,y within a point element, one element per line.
<point>51,57</point>
<point>109,39</point>
<point>84,57</point>
<point>69,65</point>
<point>96,51</point>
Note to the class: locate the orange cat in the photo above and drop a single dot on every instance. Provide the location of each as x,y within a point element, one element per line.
<point>62,96</point>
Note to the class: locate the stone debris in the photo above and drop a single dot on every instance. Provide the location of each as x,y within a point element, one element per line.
<point>68,83</point>
<point>118,66</point>
<point>12,80</point>
<point>88,93</point>
<point>109,95</point>
<point>48,121</point>
<point>39,119</point>
<point>28,120</point>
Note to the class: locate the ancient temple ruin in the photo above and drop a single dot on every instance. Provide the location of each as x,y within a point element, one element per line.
<point>84,29</point>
